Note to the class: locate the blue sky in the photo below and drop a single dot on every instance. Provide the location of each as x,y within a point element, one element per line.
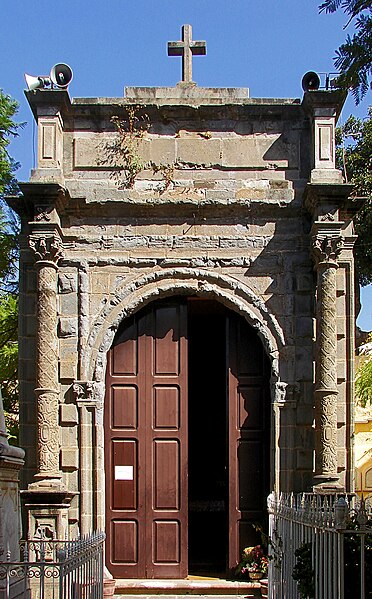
<point>264,45</point>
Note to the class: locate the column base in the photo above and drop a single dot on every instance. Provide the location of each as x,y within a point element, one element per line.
<point>327,484</point>
<point>47,512</point>
<point>45,484</point>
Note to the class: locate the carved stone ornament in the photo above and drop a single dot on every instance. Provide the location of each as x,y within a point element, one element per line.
<point>326,249</point>
<point>83,390</point>
<point>47,343</point>
<point>327,217</point>
<point>42,212</point>
<point>326,456</point>
<point>48,247</point>
<point>48,434</point>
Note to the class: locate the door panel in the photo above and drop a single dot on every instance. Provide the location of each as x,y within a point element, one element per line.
<point>146,442</point>
<point>249,422</point>
<point>146,445</point>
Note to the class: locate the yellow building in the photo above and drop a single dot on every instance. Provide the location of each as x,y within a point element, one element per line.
<point>363,451</point>
<point>363,438</point>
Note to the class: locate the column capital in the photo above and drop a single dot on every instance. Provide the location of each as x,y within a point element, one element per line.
<point>40,201</point>
<point>46,245</point>
<point>326,249</point>
<point>84,393</point>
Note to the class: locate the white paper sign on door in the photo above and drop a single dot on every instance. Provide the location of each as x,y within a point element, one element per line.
<point>123,472</point>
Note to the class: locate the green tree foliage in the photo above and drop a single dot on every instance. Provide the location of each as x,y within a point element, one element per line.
<point>354,158</point>
<point>354,57</point>
<point>9,360</point>
<point>9,230</point>
<point>363,379</point>
<point>363,383</point>
<point>8,129</point>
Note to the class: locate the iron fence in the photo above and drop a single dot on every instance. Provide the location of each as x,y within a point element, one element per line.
<point>320,547</point>
<point>53,569</point>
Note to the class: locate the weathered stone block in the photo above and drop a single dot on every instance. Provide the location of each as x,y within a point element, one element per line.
<point>304,459</point>
<point>100,281</point>
<point>199,151</point>
<point>305,282</point>
<point>68,369</point>
<point>73,514</point>
<point>70,458</point>
<point>29,304</point>
<point>68,414</point>
<point>304,364</point>
<point>29,326</point>
<point>341,458</point>
<point>254,151</point>
<point>341,280</point>
<point>304,304</point>
<point>196,242</point>
<point>67,327</point>
<point>161,151</point>
<point>68,304</point>
<point>304,327</point>
<point>67,282</point>
<point>30,281</point>
<point>304,414</point>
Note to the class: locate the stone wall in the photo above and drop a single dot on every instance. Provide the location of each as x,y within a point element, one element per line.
<point>217,209</point>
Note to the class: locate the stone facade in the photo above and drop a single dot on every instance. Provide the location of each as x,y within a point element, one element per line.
<point>192,192</point>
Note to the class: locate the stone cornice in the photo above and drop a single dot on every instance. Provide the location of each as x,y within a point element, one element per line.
<point>337,195</point>
<point>39,201</point>
<point>324,100</point>
<point>42,100</point>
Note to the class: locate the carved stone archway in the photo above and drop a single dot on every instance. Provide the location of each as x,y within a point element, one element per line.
<point>165,283</point>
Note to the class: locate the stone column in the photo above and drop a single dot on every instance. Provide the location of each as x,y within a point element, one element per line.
<point>85,400</point>
<point>47,249</point>
<point>325,250</point>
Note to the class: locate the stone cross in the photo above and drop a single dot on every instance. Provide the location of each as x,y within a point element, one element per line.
<point>186,48</point>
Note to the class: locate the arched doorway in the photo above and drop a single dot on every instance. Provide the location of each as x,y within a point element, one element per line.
<point>187,418</point>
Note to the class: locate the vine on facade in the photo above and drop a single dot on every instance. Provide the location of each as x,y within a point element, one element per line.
<point>131,131</point>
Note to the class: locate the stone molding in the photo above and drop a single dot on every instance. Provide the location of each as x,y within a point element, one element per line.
<point>179,281</point>
<point>88,400</point>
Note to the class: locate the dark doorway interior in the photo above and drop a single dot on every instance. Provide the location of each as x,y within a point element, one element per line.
<point>208,510</point>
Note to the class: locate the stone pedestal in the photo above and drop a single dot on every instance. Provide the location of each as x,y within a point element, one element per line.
<point>11,461</point>
<point>47,513</point>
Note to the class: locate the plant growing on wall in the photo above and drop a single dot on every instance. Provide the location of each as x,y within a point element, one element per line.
<point>126,147</point>
<point>167,173</point>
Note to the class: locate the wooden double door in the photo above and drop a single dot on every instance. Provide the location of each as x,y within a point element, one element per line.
<point>186,440</point>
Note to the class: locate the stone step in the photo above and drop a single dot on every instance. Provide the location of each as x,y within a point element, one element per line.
<point>253,593</point>
<point>195,586</point>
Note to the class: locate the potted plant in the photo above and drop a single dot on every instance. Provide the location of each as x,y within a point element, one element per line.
<point>254,563</point>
